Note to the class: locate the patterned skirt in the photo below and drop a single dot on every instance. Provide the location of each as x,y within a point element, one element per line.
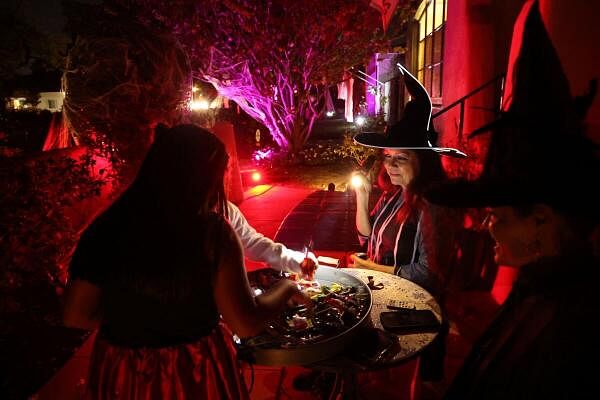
<point>206,369</point>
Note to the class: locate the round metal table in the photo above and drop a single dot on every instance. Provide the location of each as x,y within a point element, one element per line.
<point>410,295</point>
<point>385,287</point>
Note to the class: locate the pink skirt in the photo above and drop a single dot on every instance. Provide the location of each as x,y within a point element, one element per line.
<point>206,369</point>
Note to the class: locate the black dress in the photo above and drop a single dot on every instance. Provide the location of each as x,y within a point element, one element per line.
<point>161,336</point>
<point>542,344</point>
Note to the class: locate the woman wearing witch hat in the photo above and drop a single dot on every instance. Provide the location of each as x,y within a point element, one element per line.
<point>539,180</point>
<point>405,235</point>
<point>394,229</point>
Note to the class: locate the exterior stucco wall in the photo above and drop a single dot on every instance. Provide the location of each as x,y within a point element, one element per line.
<point>476,46</point>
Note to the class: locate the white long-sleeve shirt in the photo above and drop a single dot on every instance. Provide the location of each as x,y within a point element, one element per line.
<point>257,247</point>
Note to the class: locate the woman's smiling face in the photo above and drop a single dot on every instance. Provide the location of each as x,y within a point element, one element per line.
<point>402,166</point>
<point>514,235</point>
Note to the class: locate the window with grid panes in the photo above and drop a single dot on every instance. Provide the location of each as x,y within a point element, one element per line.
<point>431,16</point>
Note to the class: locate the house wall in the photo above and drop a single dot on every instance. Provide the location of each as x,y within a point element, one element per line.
<point>477,42</point>
<point>51,101</point>
<point>476,45</point>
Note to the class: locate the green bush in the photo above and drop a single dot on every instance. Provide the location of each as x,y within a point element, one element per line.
<point>37,229</point>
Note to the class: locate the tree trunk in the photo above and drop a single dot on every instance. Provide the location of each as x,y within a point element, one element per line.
<point>298,131</point>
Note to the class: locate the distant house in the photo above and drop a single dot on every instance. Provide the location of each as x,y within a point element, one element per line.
<point>17,103</point>
<point>39,91</point>
<point>51,101</point>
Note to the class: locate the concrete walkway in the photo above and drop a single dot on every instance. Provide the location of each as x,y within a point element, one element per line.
<point>266,206</point>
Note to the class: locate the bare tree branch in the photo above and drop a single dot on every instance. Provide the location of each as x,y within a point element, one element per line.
<point>269,56</point>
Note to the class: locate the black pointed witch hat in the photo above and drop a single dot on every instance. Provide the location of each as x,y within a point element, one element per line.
<point>413,131</point>
<point>538,152</point>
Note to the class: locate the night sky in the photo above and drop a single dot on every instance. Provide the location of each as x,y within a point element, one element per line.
<point>45,15</point>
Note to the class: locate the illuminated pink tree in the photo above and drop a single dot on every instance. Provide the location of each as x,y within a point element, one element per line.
<point>274,58</point>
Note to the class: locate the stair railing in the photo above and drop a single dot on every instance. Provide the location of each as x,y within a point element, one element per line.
<point>461,102</point>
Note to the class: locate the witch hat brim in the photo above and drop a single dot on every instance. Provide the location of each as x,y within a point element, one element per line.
<point>413,131</point>
<point>477,194</point>
<point>570,190</point>
<point>378,141</point>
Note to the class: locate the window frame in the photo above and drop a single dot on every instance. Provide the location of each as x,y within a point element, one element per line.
<point>429,36</point>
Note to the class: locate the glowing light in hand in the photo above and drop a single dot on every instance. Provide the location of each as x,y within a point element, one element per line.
<point>357,181</point>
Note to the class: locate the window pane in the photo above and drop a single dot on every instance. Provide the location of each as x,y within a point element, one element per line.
<point>439,13</point>
<point>438,52</point>
<point>427,82</point>
<point>429,18</point>
<point>436,82</point>
<point>428,49</point>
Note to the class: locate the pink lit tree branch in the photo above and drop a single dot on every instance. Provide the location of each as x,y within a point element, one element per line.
<point>274,58</point>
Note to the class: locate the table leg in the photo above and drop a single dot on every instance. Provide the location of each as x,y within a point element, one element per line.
<point>345,387</point>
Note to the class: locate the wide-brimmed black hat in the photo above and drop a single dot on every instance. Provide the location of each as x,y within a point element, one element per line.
<point>538,152</point>
<point>413,131</point>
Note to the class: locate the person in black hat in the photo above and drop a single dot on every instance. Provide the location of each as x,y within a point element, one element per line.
<point>405,235</point>
<point>394,228</point>
<point>538,181</point>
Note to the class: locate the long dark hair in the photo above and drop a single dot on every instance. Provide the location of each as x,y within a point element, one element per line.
<point>166,225</point>
<point>182,176</point>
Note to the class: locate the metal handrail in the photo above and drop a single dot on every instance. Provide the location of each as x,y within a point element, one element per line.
<point>461,102</point>
<point>471,93</point>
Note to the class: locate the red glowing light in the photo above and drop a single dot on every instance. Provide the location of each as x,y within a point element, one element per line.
<point>256,176</point>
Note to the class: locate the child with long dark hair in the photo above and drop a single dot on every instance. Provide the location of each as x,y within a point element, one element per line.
<point>161,274</point>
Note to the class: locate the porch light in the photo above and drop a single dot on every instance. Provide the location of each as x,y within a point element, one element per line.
<point>199,105</point>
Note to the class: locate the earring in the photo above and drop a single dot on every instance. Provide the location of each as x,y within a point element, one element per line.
<point>486,221</point>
